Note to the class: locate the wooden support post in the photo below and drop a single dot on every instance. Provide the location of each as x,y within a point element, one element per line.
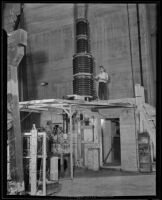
<point>141,124</point>
<point>16,42</point>
<point>71,143</point>
<point>140,100</point>
<point>138,96</point>
<point>8,163</point>
<point>44,164</point>
<point>33,161</point>
<point>79,141</point>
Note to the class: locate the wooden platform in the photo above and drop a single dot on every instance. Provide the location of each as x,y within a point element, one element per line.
<point>48,104</point>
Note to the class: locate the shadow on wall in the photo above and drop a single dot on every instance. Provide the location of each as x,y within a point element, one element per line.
<point>36,64</point>
<point>34,72</point>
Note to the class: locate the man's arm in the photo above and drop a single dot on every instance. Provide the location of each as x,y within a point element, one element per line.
<point>107,77</point>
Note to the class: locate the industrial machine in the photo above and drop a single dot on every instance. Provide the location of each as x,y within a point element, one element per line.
<point>83,62</point>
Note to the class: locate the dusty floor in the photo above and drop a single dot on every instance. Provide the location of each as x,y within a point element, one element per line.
<point>108,183</point>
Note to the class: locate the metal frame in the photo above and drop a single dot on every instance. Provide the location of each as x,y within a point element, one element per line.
<point>33,171</point>
<point>70,107</point>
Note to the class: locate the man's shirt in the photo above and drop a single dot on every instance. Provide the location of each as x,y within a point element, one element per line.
<point>102,77</point>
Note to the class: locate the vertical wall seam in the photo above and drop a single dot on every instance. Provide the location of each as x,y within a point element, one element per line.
<point>130,47</point>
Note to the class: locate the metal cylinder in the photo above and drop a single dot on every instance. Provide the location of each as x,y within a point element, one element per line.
<point>82,27</point>
<point>83,85</point>
<point>82,45</point>
<point>82,64</point>
<point>83,61</point>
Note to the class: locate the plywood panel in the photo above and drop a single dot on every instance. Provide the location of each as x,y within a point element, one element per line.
<point>128,140</point>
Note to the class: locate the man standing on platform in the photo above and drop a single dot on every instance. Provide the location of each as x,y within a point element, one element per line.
<point>102,79</point>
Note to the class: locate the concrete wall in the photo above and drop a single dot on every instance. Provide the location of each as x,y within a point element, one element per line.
<point>110,45</point>
<point>50,47</point>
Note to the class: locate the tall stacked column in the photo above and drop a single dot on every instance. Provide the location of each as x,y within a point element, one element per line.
<point>83,61</point>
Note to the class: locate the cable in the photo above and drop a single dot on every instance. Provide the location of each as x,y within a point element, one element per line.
<point>130,45</point>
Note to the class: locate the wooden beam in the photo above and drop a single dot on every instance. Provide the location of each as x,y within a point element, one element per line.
<point>130,101</point>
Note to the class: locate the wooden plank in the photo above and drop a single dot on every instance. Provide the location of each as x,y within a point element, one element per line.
<point>138,96</point>
<point>141,117</point>
<point>44,164</point>
<point>8,163</point>
<point>79,142</point>
<point>46,104</point>
<point>33,161</point>
<point>71,145</point>
<point>137,90</point>
<point>62,101</point>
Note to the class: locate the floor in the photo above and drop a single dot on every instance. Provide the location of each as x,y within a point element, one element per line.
<point>108,183</point>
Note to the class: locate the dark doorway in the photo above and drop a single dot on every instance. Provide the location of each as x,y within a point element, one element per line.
<point>111,142</point>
